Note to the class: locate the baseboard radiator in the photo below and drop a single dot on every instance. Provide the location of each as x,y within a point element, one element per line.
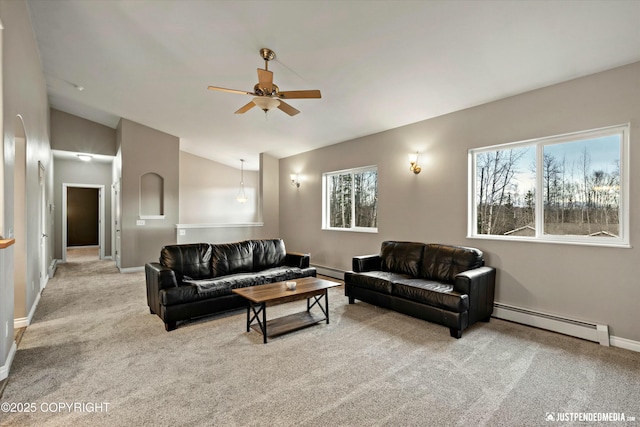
<point>576,328</point>
<point>329,271</point>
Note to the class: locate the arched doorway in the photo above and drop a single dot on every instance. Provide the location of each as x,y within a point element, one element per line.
<point>20,222</point>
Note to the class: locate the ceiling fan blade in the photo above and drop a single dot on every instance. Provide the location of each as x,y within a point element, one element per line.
<point>246,108</point>
<point>265,80</point>
<point>288,108</point>
<point>293,94</point>
<point>242,92</point>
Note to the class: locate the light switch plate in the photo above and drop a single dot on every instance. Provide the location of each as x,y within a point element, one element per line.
<point>140,222</point>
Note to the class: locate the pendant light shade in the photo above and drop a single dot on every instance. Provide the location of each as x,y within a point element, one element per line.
<point>242,197</point>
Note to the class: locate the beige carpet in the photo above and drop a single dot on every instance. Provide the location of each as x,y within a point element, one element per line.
<point>93,342</point>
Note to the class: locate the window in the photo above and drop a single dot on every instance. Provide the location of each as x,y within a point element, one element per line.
<point>568,189</point>
<point>350,200</point>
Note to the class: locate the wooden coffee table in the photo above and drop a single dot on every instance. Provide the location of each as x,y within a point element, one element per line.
<point>262,296</point>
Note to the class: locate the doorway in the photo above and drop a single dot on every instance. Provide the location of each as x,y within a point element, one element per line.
<point>82,204</point>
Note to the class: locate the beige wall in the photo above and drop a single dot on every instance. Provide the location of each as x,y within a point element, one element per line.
<point>208,206</point>
<point>208,192</point>
<point>593,283</point>
<point>146,150</point>
<point>24,94</point>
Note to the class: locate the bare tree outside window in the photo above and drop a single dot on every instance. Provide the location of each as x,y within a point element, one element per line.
<point>351,199</point>
<point>580,192</point>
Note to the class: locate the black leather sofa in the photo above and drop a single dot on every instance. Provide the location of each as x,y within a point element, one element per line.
<point>443,284</point>
<point>193,280</point>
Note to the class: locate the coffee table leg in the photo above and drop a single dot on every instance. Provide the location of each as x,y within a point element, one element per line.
<point>248,316</point>
<point>264,323</point>
<point>326,304</point>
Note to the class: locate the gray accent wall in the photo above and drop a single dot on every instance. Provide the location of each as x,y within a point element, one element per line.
<point>24,94</point>
<point>73,133</point>
<point>144,150</point>
<point>598,284</point>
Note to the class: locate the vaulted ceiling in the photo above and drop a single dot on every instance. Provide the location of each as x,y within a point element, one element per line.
<point>378,64</point>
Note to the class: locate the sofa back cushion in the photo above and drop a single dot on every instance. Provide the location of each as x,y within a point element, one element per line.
<point>231,258</point>
<point>402,257</point>
<point>444,262</point>
<point>192,260</point>
<point>268,253</point>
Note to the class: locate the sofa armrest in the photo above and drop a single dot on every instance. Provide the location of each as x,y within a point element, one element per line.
<point>364,263</point>
<point>295,259</point>
<point>479,284</point>
<point>159,277</point>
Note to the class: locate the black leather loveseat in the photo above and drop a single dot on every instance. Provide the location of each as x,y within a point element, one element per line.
<point>444,284</point>
<point>193,280</point>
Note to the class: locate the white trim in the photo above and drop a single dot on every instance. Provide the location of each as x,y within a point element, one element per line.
<point>625,343</point>
<point>131,269</point>
<point>222,225</point>
<point>4,369</point>
<point>23,322</point>
<point>325,205</point>
<point>53,267</point>
<point>602,241</point>
<point>539,144</point>
<point>101,217</point>
<point>151,217</point>
<point>353,229</point>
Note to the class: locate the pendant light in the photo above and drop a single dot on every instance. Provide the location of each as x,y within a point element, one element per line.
<point>242,197</point>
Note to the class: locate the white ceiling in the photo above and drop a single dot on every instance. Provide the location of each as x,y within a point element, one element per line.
<point>379,64</point>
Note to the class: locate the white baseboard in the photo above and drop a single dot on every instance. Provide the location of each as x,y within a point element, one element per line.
<point>131,269</point>
<point>625,343</point>
<point>4,369</point>
<point>23,322</point>
<point>53,267</point>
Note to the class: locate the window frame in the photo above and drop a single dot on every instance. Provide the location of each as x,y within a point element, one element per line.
<point>539,143</point>
<point>325,204</point>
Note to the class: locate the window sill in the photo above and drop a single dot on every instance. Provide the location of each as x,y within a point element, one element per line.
<point>353,230</point>
<point>609,244</point>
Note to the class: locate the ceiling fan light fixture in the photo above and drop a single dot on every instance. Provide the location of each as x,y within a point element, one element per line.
<point>266,103</point>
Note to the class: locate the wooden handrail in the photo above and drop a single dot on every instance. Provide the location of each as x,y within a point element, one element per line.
<point>5,243</point>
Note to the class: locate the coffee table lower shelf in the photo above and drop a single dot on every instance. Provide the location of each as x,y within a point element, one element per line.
<point>290,323</point>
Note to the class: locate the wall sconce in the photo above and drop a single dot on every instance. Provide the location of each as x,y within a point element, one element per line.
<point>413,161</point>
<point>295,179</point>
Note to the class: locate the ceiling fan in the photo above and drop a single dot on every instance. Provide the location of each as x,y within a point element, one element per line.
<point>266,94</point>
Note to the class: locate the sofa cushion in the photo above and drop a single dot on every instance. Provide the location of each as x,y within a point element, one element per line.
<point>231,258</point>
<point>432,293</point>
<point>444,262</point>
<point>191,260</point>
<point>196,290</point>
<point>268,253</point>
<point>379,281</point>
<point>402,257</point>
